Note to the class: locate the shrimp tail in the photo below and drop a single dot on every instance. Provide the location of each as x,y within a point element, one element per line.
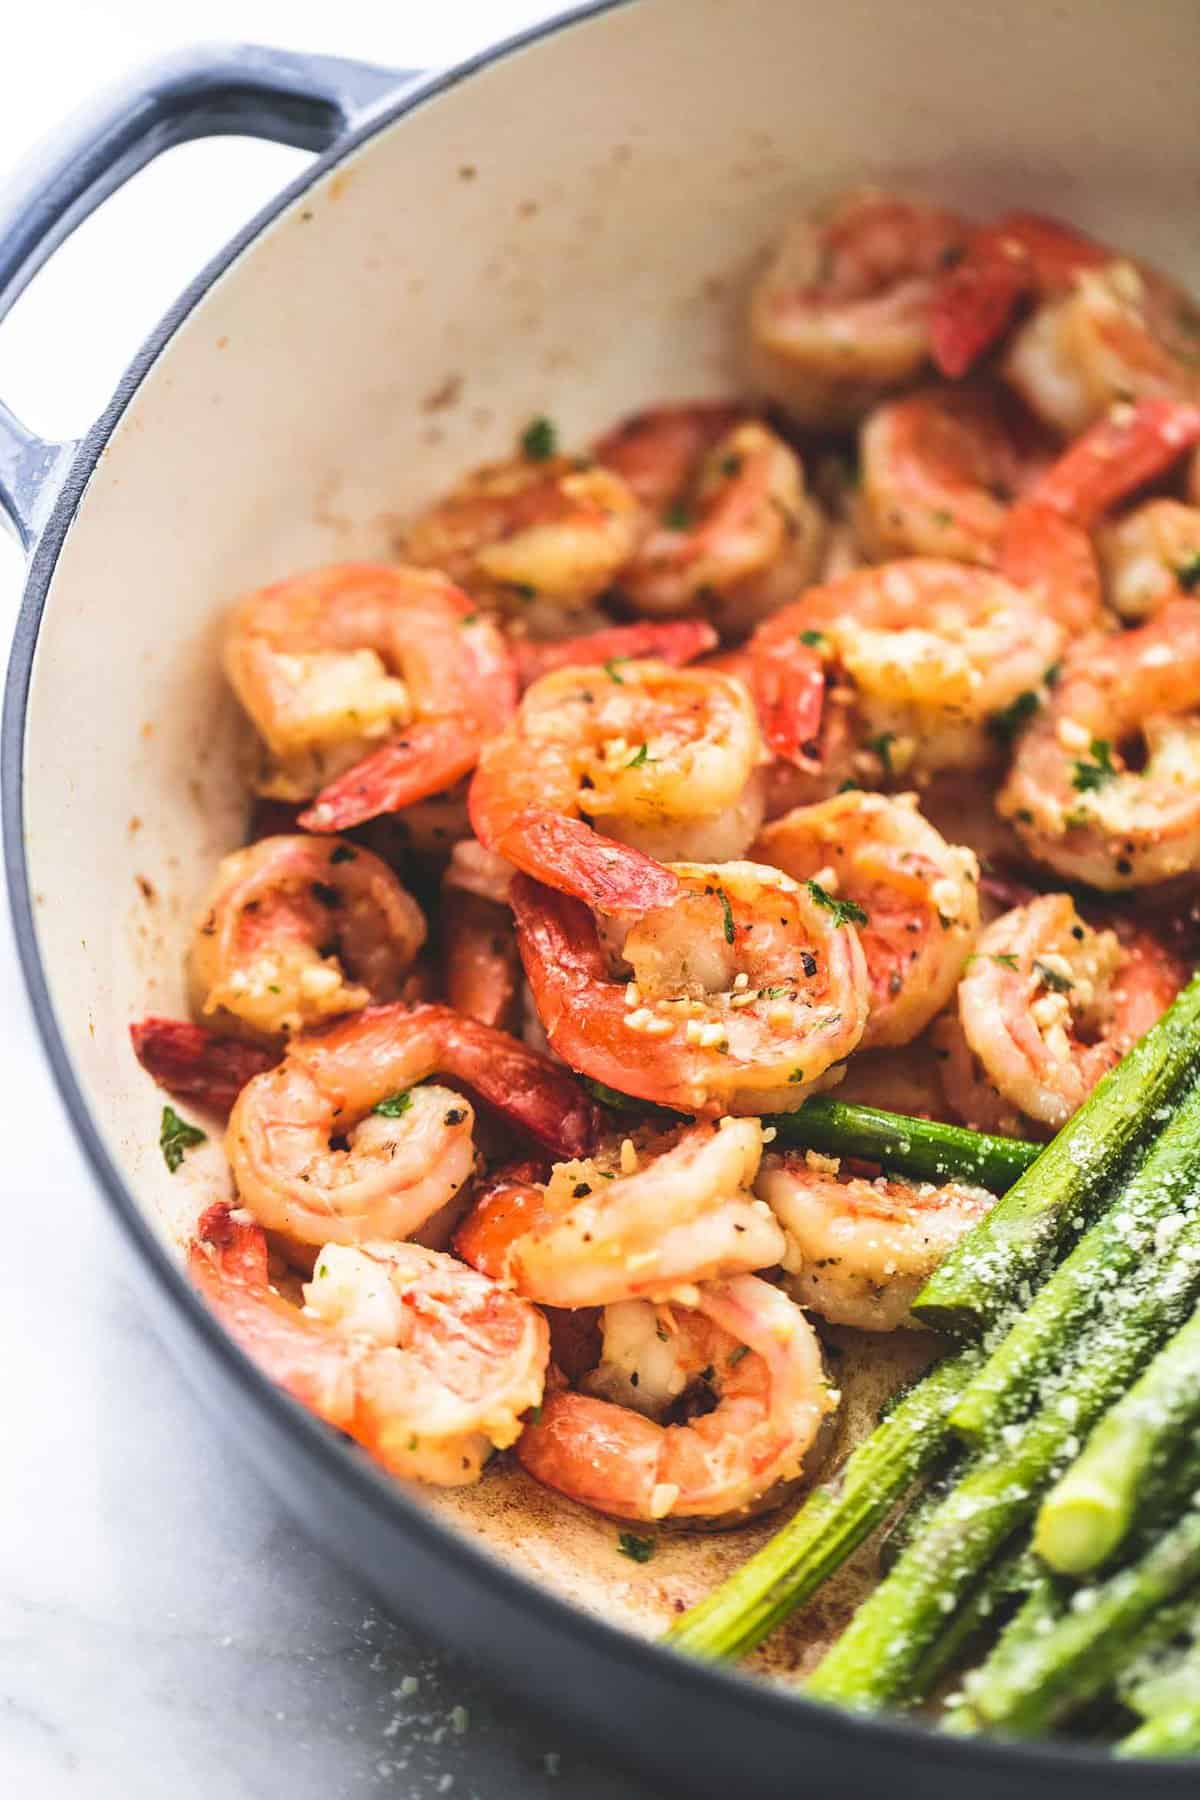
<point>196,1065</point>
<point>674,641</point>
<point>533,1093</point>
<point>480,965</point>
<point>427,758</point>
<point>1129,447</point>
<point>1004,263</point>
<point>789,688</point>
<point>227,1261</point>
<point>605,875</point>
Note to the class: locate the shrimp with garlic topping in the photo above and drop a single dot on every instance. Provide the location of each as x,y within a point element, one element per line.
<point>648,1217</point>
<point>742,1343</point>
<point>426,1363</point>
<point>741,996</point>
<point>294,931</point>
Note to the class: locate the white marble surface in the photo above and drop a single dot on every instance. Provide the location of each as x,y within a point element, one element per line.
<point>164,1628</point>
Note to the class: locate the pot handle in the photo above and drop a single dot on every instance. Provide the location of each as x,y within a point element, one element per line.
<point>218,90</point>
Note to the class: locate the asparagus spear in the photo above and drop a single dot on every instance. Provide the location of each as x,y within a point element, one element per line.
<point>1009,1576</point>
<point>831,1523</point>
<point>1091,1508</point>
<point>1169,1703</point>
<point>1173,1732</point>
<point>1167,1182</point>
<point>1014,1242</point>
<point>878,1655</point>
<point>919,1147</point>
<point>1128,1613</point>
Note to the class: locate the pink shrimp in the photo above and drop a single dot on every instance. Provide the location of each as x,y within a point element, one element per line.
<point>645,1216</point>
<point>840,319</point>
<point>331,662</point>
<point>481,970</point>
<point>743,1343</point>
<point>673,641</point>
<point>747,990</point>
<point>295,930</point>
<point>427,1364</point>
<point>409,1147</point>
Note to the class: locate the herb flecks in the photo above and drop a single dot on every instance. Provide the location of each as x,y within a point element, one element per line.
<point>882,746</point>
<point>1058,984</point>
<point>176,1136</point>
<point>1188,573</point>
<point>611,666</point>
<point>1011,719</point>
<point>343,854</point>
<point>845,912</point>
<point>727,911</point>
<point>1089,776</point>
<point>676,516</point>
<point>637,1549</point>
<point>539,440</point>
<point>394,1106</point>
<point>814,639</point>
<point>641,757</point>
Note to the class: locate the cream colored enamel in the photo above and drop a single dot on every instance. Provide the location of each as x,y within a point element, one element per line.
<point>570,231</point>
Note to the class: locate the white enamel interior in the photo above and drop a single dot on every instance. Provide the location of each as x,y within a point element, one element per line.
<point>567,231</point>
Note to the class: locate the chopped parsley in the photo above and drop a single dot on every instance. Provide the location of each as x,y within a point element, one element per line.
<point>394,1106</point>
<point>1052,674</point>
<point>1091,775</point>
<point>539,440</point>
<point>882,746</point>
<point>943,518</point>
<point>521,590</point>
<point>1188,572</point>
<point>1005,724</point>
<point>848,787</point>
<point>641,757</point>
<point>637,1549</point>
<point>735,1356</point>
<point>1058,984</point>
<point>814,639</point>
<point>175,1136</point>
<point>727,909</point>
<point>676,516</point>
<point>1004,957</point>
<point>845,912</point>
<point>661,1332</point>
<point>343,853</point>
<point>610,669</point>
<point>731,464</point>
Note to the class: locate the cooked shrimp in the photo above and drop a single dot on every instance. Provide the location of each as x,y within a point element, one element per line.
<point>941,469</point>
<point>409,1147</point>
<point>668,759</point>
<point>931,650</point>
<point>858,1250</point>
<point>970,1096</point>
<point>429,1365</point>
<point>633,1220</point>
<point>537,536</point>
<point>1105,329</point>
<point>738,536</point>
<point>1046,548</point>
<point>1048,1005</point>
<point>917,895</point>
<point>841,317</point>
<point>196,1065</point>
<point>1105,783</point>
<point>329,663</point>
<point>746,991</point>
<point>744,1344</point>
<point>674,641</point>
<point>295,930</point>
<point>1150,556</point>
<point>481,970</point>
<point>657,452</point>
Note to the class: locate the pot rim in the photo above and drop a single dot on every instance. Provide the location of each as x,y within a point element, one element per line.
<point>706,1683</point>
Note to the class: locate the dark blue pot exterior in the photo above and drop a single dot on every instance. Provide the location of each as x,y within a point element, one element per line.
<point>697,1730</point>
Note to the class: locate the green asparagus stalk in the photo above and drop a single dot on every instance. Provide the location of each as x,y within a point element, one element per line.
<point>918,1147</point>
<point>1172,1732</point>
<point>1012,1245</point>
<point>1092,1507</point>
<point>1009,1576</point>
<point>1171,1683</point>
<point>1166,1184</point>
<point>878,1655</point>
<point>922,1148</point>
<point>831,1523</point>
<point>1079,1657</point>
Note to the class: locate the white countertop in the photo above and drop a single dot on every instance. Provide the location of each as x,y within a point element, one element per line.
<point>164,1628</point>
